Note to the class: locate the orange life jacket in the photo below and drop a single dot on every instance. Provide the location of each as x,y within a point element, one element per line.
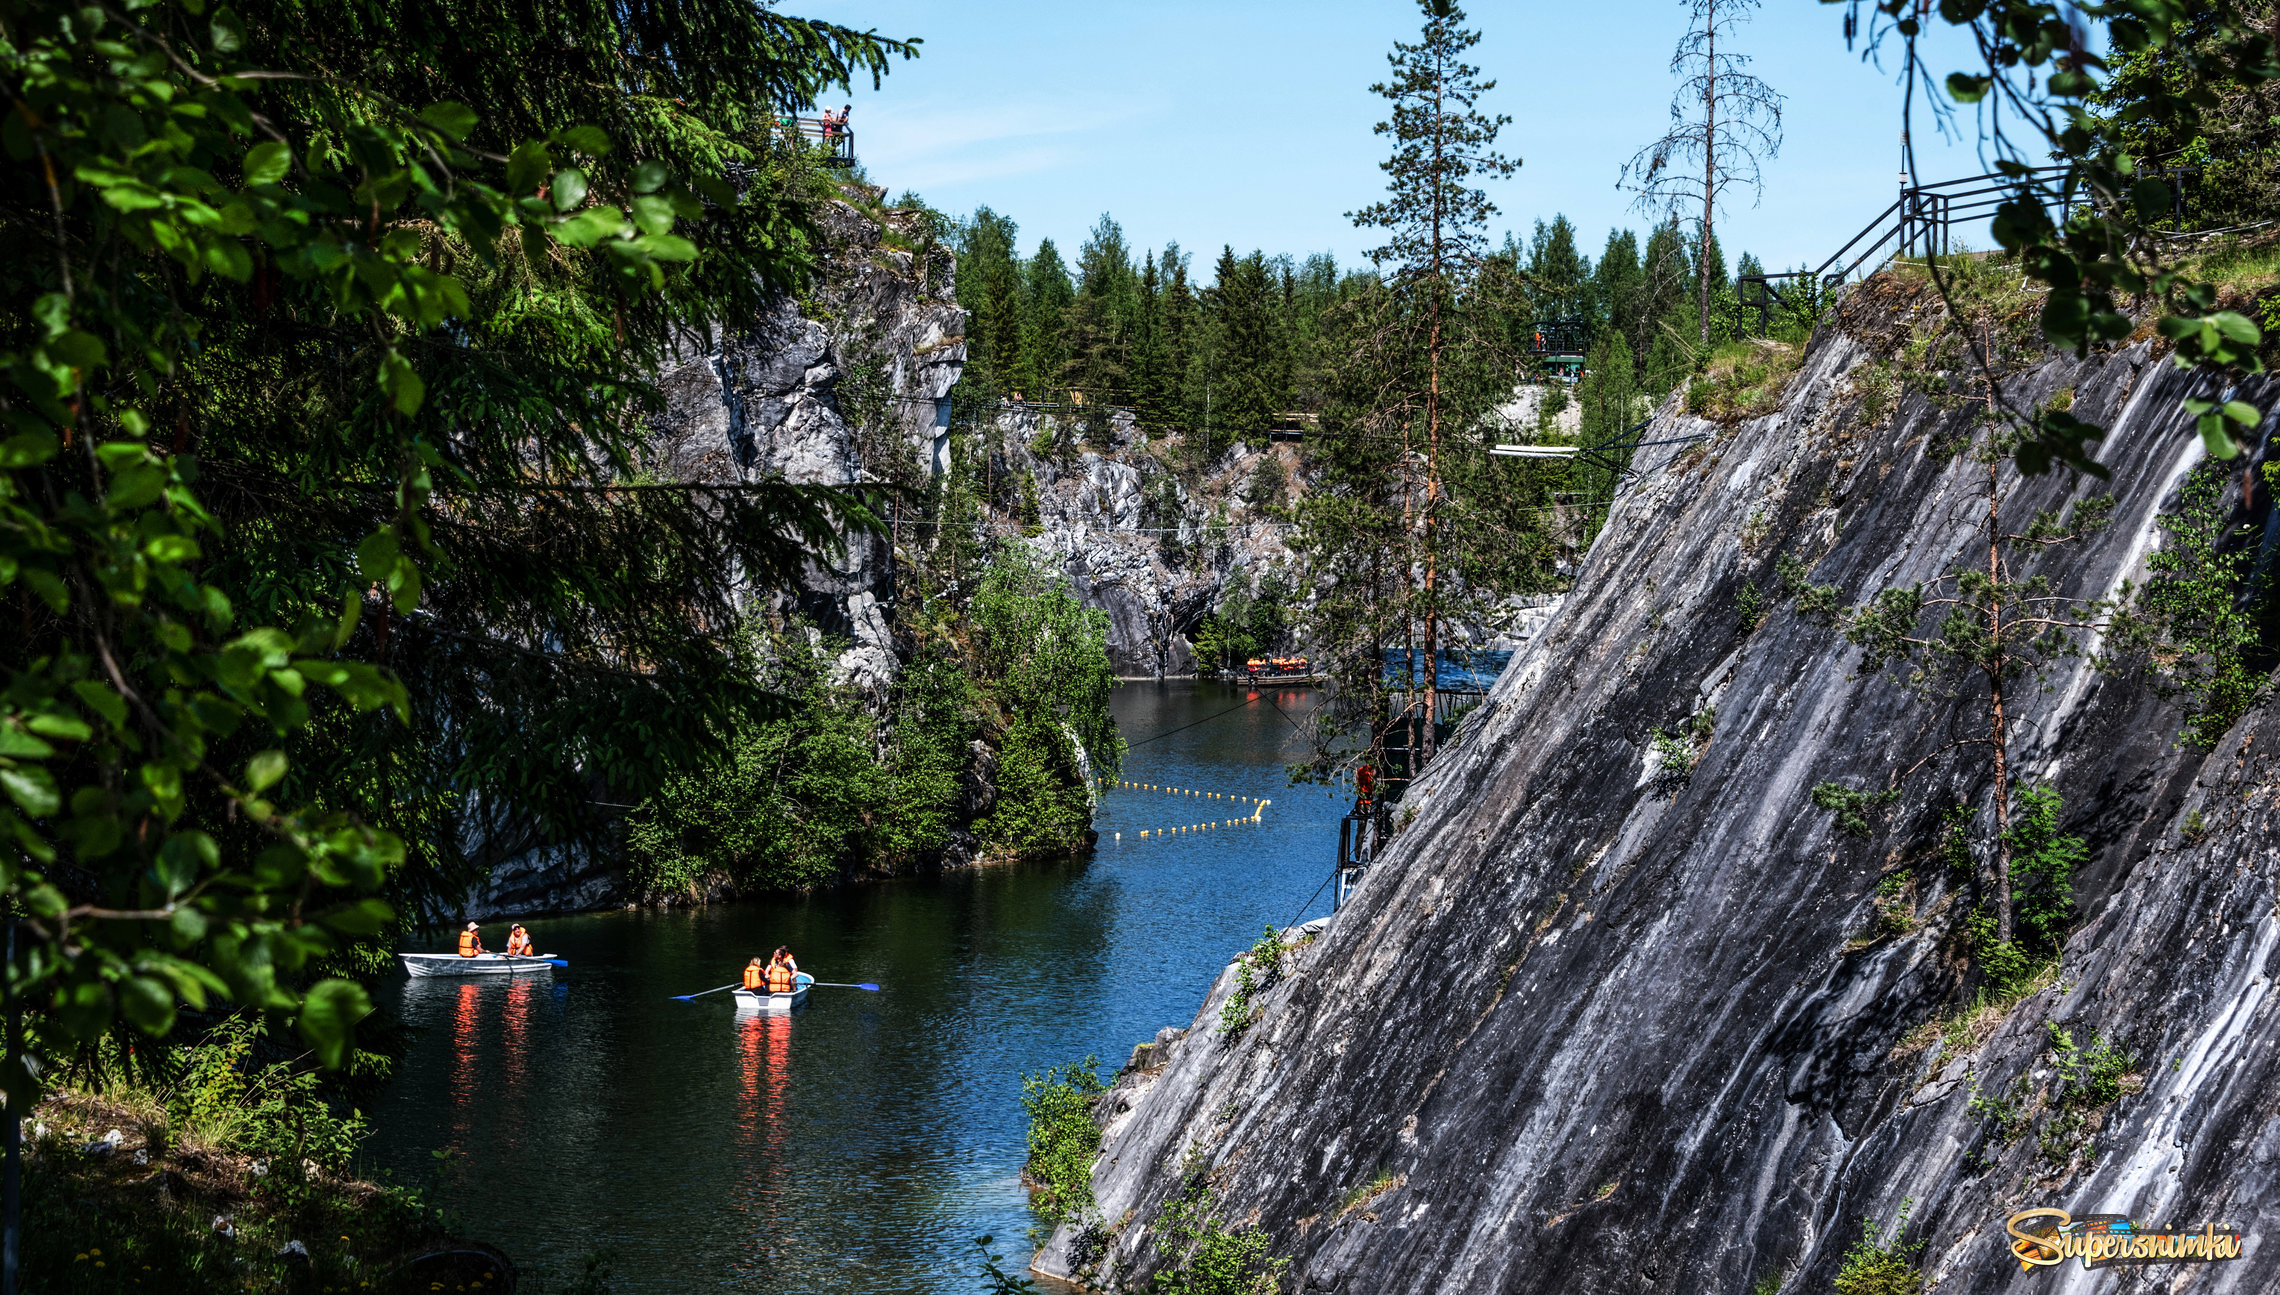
<point>470,944</point>
<point>518,943</point>
<point>755,978</point>
<point>780,979</point>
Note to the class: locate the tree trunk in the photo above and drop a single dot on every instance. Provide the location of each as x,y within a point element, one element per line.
<point>1998,725</point>
<point>1709,162</point>
<point>1435,284</point>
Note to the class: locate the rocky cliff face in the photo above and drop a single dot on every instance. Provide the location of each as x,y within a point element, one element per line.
<point>1595,1025</point>
<point>1152,550</point>
<point>851,385</point>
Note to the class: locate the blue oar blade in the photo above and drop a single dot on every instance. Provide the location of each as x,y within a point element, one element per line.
<point>560,962</point>
<point>873,988</point>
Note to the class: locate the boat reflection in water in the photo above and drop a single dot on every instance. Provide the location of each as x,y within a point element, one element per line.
<point>763,1118</point>
<point>493,1026</point>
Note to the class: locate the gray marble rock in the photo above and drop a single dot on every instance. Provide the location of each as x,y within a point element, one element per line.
<point>1608,1034</point>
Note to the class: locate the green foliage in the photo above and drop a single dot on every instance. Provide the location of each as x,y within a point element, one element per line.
<point>1063,1139</point>
<point>2089,1078</point>
<point>315,393</point>
<point>2094,121</point>
<point>1852,807</point>
<point>995,1279</point>
<point>800,799</point>
<point>1206,1257</point>
<point>2195,616</point>
<point>1751,607</point>
<point>1256,971</point>
<point>2084,1082</point>
<point>2042,864</point>
<point>829,785</point>
<point>1680,749</point>
<point>1814,602</point>
<point>1880,1263</point>
<point>2042,870</point>
<point>1044,658</point>
<point>1250,620</point>
<point>223,1101</point>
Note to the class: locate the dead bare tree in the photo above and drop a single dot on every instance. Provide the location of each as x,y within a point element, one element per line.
<point>1724,125</point>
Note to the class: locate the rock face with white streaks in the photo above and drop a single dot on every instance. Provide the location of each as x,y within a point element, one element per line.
<point>1153,550</point>
<point>829,401</point>
<point>1591,1027</point>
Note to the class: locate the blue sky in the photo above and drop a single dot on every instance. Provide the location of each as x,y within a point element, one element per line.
<point>1249,121</point>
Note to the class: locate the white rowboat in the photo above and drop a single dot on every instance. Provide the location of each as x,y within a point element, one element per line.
<point>760,1004</point>
<point>482,964</point>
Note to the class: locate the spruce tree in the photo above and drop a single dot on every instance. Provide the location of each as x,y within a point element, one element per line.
<point>990,289</point>
<point>1617,284</point>
<point>1558,277</point>
<point>1247,355</point>
<point>1044,328</point>
<point>1178,330</point>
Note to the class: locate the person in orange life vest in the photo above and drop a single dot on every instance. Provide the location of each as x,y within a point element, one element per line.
<point>783,972</point>
<point>756,975</point>
<point>1365,782</point>
<point>470,943</point>
<point>518,942</point>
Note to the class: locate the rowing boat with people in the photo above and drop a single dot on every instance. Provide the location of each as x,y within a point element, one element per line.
<point>761,1003</point>
<point>481,964</point>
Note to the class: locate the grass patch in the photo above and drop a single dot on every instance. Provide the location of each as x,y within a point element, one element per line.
<point>1063,1140</point>
<point>1880,1263</point>
<point>139,1213</point>
<point>1743,379</point>
<point>1961,1032</point>
<point>1359,1196</point>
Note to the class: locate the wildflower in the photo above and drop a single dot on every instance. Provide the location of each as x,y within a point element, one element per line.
<point>95,1252</point>
<point>78,1257</point>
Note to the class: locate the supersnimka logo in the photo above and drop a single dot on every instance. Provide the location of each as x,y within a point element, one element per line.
<point>2044,1238</point>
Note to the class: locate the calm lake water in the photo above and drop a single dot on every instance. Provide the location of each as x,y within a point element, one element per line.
<point>862,1144</point>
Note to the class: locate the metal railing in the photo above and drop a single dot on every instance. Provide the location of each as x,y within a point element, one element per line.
<point>839,141</point>
<point>1920,222</point>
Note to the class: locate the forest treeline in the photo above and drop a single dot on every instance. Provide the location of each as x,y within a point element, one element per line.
<point>1223,351</point>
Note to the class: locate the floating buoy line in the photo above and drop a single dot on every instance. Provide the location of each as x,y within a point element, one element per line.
<point>1258,806</point>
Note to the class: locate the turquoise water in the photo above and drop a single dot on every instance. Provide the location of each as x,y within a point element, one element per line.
<point>862,1144</point>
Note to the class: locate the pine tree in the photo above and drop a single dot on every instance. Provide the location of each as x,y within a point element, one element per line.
<point>1617,285</point>
<point>1435,221</point>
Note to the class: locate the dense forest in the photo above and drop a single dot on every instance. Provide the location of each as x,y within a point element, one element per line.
<point>1261,340</point>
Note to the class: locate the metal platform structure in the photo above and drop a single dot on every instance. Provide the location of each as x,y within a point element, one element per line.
<point>839,142</point>
<point>1559,345</point>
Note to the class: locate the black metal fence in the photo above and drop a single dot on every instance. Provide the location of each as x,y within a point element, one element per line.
<point>1920,223</point>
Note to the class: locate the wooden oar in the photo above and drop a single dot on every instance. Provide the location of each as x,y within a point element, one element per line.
<point>683,998</point>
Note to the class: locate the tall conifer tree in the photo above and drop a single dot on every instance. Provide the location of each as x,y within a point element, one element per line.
<point>1435,221</point>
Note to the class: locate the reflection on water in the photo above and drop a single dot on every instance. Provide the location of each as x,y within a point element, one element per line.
<point>860,1145</point>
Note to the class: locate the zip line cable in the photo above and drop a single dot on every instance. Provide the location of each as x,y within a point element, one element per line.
<point>1183,728</point>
